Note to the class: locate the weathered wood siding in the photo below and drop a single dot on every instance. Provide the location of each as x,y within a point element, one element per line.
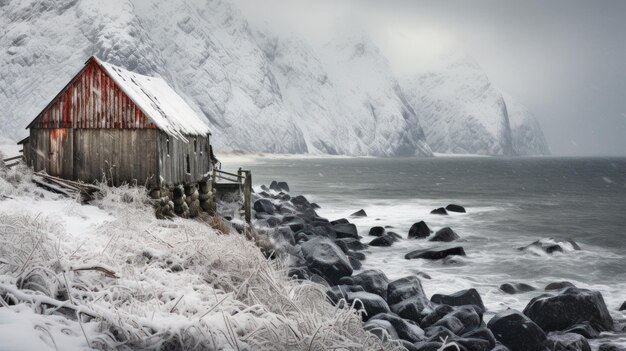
<point>185,162</point>
<point>92,100</point>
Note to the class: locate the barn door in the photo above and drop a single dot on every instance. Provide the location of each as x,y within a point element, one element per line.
<point>61,153</point>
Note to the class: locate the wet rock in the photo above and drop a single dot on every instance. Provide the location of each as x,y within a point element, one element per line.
<point>352,243</point>
<point>611,347</point>
<point>413,308</point>
<point>445,234</point>
<point>355,263</point>
<point>409,346</point>
<point>468,316</point>
<point>484,334</point>
<point>340,221</point>
<point>371,303</point>
<point>585,329</point>
<point>405,288</point>
<point>300,202</point>
<point>570,307</point>
<point>567,342</point>
<point>472,344</point>
<point>439,211</point>
<point>622,307</point>
<point>273,221</point>
<point>559,286</point>
<point>337,292</point>
<point>437,313</point>
<point>455,208</point>
<point>460,298</point>
<point>281,186</point>
<point>321,228</point>
<point>377,231</point>
<point>419,230</point>
<point>377,326</point>
<point>345,230</point>
<point>346,281</point>
<point>451,323</point>
<point>428,345</point>
<point>264,187</point>
<point>342,246</point>
<point>359,213</point>
<point>324,258</point>
<point>516,288</point>
<point>500,347</point>
<point>264,206</point>
<point>438,333</point>
<point>357,255</point>
<point>283,235</point>
<point>295,223</point>
<point>551,246</point>
<point>517,332</point>
<point>394,236</point>
<point>435,253</point>
<point>373,281</point>
<point>301,273</point>
<point>385,240</point>
<point>315,206</point>
<point>405,329</point>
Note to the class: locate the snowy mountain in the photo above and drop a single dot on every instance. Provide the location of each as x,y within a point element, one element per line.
<point>526,133</point>
<point>462,112</point>
<point>256,97</point>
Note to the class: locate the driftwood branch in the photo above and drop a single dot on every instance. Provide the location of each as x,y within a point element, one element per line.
<point>107,272</point>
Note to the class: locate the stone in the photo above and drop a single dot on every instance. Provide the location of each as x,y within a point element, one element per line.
<point>451,323</point>
<point>283,235</point>
<point>611,347</point>
<point>339,221</point>
<point>357,255</point>
<point>283,186</point>
<point>338,292</point>
<point>385,240</point>
<point>445,234</point>
<point>352,243</point>
<point>559,286</point>
<point>377,326</point>
<point>406,330</point>
<point>435,253</point>
<point>325,259</point>
<point>413,308</point>
<point>377,231</point>
<point>359,213</point>
<point>484,334</point>
<point>585,329</point>
<point>460,298</point>
<point>516,288</point>
<point>428,346</point>
<point>405,288</point>
<point>551,246</point>
<point>419,230</point>
<point>346,281</point>
<point>437,333</point>
<point>355,263</point>
<point>372,304</point>
<point>301,273</point>
<point>468,316</point>
<point>568,308</point>
<point>517,332</point>
<point>345,230</point>
<point>300,202</point>
<point>455,208</point>
<point>567,342</point>
<point>373,281</point>
<point>471,344</point>
<point>439,211</point>
<point>622,307</point>
<point>264,206</point>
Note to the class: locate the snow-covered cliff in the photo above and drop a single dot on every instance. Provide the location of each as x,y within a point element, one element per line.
<point>526,133</point>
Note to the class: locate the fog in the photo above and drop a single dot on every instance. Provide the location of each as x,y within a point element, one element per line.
<point>564,59</point>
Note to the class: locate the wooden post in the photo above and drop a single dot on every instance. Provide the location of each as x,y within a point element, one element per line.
<point>247,193</point>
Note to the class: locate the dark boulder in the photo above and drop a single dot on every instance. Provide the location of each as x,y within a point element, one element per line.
<point>359,213</point>
<point>439,211</point>
<point>385,240</point>
<point>472,344</point>
<point>355,263</point>
<point>409,346</point>
<point>283,235</point>
<point>468,316</point>
<point>342,246</point>
<point>445,234</point>
<point>282,186</point>
<point>404,288</point>
<point>500,347</point>
<point>352,243</point>
<point>567,342</point>
<point>437,313</point>
<point>264,187</point>
<point>338,292</point>
<point>455,208</point>
<point>325,229</point>
<point>484,334</point>
<point>357,255</point>
<point>373,281</point>
<point>585,329</point>
<point>340,221</point>
<point>324,258</point>
<point>451,323</point>
<point>372,304</point>
<point>517,332</point>
<point>345,230</point>
<point>460,298</point>
<point>429,346</point>
<point>551,246</point>
<point>272,221</point>
<point>413,308</point>
<point>406,330</point>
<point>346,281</point>
<point>435,253</point>
<point>611,347</point>
<point>570,307</point>
<point>300,202</point>
<point>296,224</point>
<point>438,333</point>
<point>264,206</point>
<point>377,231</point>
<point>419,230</point>
<point>394,236</point>
<point>516,288</point>
<point>315,206</point>
<point>622,307</point>
<point>559,286</point>
<point>382,329</point>
<point>301,273</point>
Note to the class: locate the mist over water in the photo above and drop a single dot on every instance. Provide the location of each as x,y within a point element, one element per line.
<point>510,203</point>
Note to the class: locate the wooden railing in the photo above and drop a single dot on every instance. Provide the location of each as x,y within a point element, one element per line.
<point>14,158</point>
<point>244,179</point>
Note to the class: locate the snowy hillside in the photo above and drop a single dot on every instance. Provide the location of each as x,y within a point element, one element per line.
<point>257,98</point>
<point>526,133</point>
<point>461,111</point>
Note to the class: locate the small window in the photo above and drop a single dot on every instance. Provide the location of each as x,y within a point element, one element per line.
<point>188,165</point>
<point>167,146</point>
<point>195,145</point>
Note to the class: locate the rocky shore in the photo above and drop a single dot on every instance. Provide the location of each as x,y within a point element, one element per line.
<point>331,251</point>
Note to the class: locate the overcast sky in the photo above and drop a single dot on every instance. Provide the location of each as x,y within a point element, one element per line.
<point>564,59</point>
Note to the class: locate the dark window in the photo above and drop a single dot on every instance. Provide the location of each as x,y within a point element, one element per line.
<point>195,144</point>
<point>188,165</point>
<point>167,145</point>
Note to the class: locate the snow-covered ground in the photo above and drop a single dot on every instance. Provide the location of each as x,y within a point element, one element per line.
<point>110,276</point>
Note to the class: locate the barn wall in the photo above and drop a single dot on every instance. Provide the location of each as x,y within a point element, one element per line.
<point>92,100</point>
<point>173,165</point>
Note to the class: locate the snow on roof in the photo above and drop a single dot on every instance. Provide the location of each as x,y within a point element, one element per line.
<point>158,101</point>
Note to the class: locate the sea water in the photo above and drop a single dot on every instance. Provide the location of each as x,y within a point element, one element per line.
<point>510,203</point>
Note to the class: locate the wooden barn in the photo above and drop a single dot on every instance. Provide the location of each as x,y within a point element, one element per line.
<point>110,123</point>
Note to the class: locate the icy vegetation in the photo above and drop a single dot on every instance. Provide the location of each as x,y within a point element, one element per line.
<point>260,91</point>
<point>110,276</point>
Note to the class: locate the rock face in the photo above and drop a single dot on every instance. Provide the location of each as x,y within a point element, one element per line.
<point>570,307</point>
<point>516,288</point>
<point>526,134</point>
<point>460,298</point>
<point>567,342</point>
<point>445,234</point>
<point>373,281</point>
<point>325,259</point>
<point>517,332</point>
